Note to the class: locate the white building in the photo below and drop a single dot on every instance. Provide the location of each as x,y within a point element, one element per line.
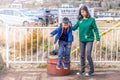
<point>40,1</point>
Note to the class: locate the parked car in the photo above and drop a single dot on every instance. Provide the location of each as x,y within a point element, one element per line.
<point>44,15</point>
<point>37,13</point>
<point>55,12</point>
<point>17,17</point>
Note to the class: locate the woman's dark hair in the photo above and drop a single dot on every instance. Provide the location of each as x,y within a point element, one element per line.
<point>83,8</point>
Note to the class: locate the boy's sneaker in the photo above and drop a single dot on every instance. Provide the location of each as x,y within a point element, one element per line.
<point>65,66</point>
<point>88,74</point>
<point>80,73</point>
<point>58,67</point>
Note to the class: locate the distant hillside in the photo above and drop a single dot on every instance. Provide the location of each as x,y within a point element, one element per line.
<point>98,4</point>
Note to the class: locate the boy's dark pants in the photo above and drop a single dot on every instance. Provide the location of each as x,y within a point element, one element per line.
<point>63,51</point>
<point>86,47</point>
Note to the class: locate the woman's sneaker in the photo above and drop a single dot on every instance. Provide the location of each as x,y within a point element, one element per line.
<point>88,74</point>
<point>80,73</point>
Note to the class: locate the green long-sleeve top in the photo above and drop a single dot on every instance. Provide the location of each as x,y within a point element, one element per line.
<point>87,28</point>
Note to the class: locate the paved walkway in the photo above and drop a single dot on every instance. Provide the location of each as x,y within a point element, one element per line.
<point>42,75</point>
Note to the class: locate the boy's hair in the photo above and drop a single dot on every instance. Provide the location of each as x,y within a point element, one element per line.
<point>65,20</point>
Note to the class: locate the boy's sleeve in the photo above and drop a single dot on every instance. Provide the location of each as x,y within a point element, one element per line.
<point>96,30</point>
<point>55,31</point>
<point>75,26</point>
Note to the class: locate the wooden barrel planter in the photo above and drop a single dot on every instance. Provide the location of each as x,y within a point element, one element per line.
<point>51,67</point>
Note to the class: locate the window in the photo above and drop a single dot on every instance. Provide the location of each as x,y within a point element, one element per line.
<point>2,12</point>
<point>16,13</point>
<point>8,12</point>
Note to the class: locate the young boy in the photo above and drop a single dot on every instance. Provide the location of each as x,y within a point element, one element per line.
<point>64,37</point>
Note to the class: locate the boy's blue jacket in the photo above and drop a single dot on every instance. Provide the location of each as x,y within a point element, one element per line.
<point>58,32</point>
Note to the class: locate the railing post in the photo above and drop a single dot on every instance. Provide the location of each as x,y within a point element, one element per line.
<point>7,47</point>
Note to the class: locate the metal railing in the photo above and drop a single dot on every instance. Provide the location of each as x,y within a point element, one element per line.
<point>33,45</point>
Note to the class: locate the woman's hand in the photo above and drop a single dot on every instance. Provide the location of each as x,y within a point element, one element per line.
<point>97,43</point>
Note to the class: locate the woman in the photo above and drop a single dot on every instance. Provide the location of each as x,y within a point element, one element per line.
<point>87,28</point>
